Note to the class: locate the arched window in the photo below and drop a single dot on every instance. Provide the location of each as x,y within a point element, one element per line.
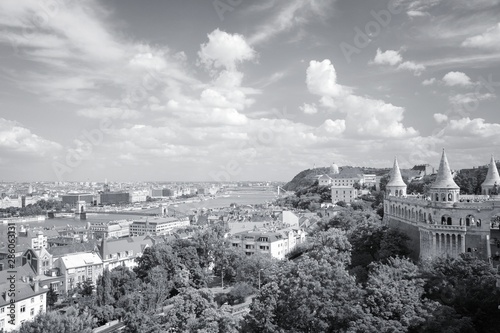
<point>478,223</point>
<point>461,221</point>
<point>437,196</point>
<point>450,197</point>
<point>448,221</point>
<point>425,217</point>
<point>443,219</point>
<point>469,220</point>
<point>443,197</point>
<point>469,250</point>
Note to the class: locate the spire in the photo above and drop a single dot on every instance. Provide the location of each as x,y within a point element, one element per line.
<point>492,176</point>
<point>396,179</point>
<point>444,178</point>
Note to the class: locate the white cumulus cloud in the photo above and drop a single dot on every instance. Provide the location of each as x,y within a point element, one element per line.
<point>225,50</point>
<point>457,79</point>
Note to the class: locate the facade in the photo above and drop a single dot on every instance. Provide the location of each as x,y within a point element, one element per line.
<point>24,304</point>
<point>444,223</point>
<point>370,179</point>
<point>123,252</point>
<point>343,193</point>
<point>347,180</point>
<point>277,244</point>
<point>115,229</point>
<point>79,267</point>
<point>325,180</point>
<point>114,198</point>
<point>34,240</point>
<point>156,226</point>
<point>138,196</point>
<point>72,199</point>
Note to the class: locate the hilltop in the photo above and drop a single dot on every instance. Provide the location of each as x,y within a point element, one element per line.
<point>307,177</point>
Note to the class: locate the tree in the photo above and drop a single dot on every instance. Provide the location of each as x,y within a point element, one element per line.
<point>468,285</point>
<point>51,297</point>
<point>308,295</point>
<point>49,322</point>
<point>85,288</point>
<point>210,244</point>
<point>239,292</point>
<point>195,311</point>
<point>348,220</point>
<point>104,289</point>
<point>188,255</point>
<point>394,293</point>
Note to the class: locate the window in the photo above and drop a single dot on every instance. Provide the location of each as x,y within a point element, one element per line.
<point>2,323</point>
<point>32,312</point>
<point>41,298</point>
<point>32,300</point>
<point>23,308</point>
<point>41,308</point>
<point>2,310</point>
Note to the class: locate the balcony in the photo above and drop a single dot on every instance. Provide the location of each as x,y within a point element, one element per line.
<point>444,227</point>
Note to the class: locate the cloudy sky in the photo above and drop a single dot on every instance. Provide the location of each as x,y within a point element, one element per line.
<point>244,90</point>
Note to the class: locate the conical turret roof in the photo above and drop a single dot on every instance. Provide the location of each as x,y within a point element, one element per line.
<point>396,179</point>
<point>492,176</point>
<point>444,177</point>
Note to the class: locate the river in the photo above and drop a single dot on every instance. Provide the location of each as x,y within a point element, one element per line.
<point>238,197</point>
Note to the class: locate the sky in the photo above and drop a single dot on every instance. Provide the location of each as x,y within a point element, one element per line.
<point>231,90</point>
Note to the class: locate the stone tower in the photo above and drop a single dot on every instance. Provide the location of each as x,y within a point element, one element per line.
<point>396,186</point>
<point>492,178</point>
<point>444,190</point>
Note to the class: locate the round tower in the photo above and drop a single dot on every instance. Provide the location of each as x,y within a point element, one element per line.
<point>396,186</point>
<point>492,178</point>
<point>444,189</point>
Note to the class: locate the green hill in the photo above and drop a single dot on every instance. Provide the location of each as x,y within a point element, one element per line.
<point>305,179</point>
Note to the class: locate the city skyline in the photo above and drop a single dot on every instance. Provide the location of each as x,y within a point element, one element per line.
<point>236,90</point>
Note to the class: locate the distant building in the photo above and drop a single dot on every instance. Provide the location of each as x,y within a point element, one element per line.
<point>138,196</point>
<point>123,252</point>
<point>325,180</point>
<point>289,219</point>
<point>343,193</point>
<point>156,192</point>
<point>370,179</point>
<point>114,198</point>
<point>277,244</point>
<point>155,226</point>
<point>426,169</point>
<point>114,229</point>
<point>166,192</point>
<point>35,240</point>
<point>73,198</point>
<point>79,267</point>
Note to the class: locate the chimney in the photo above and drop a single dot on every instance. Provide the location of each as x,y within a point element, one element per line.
<point>36,286</point>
